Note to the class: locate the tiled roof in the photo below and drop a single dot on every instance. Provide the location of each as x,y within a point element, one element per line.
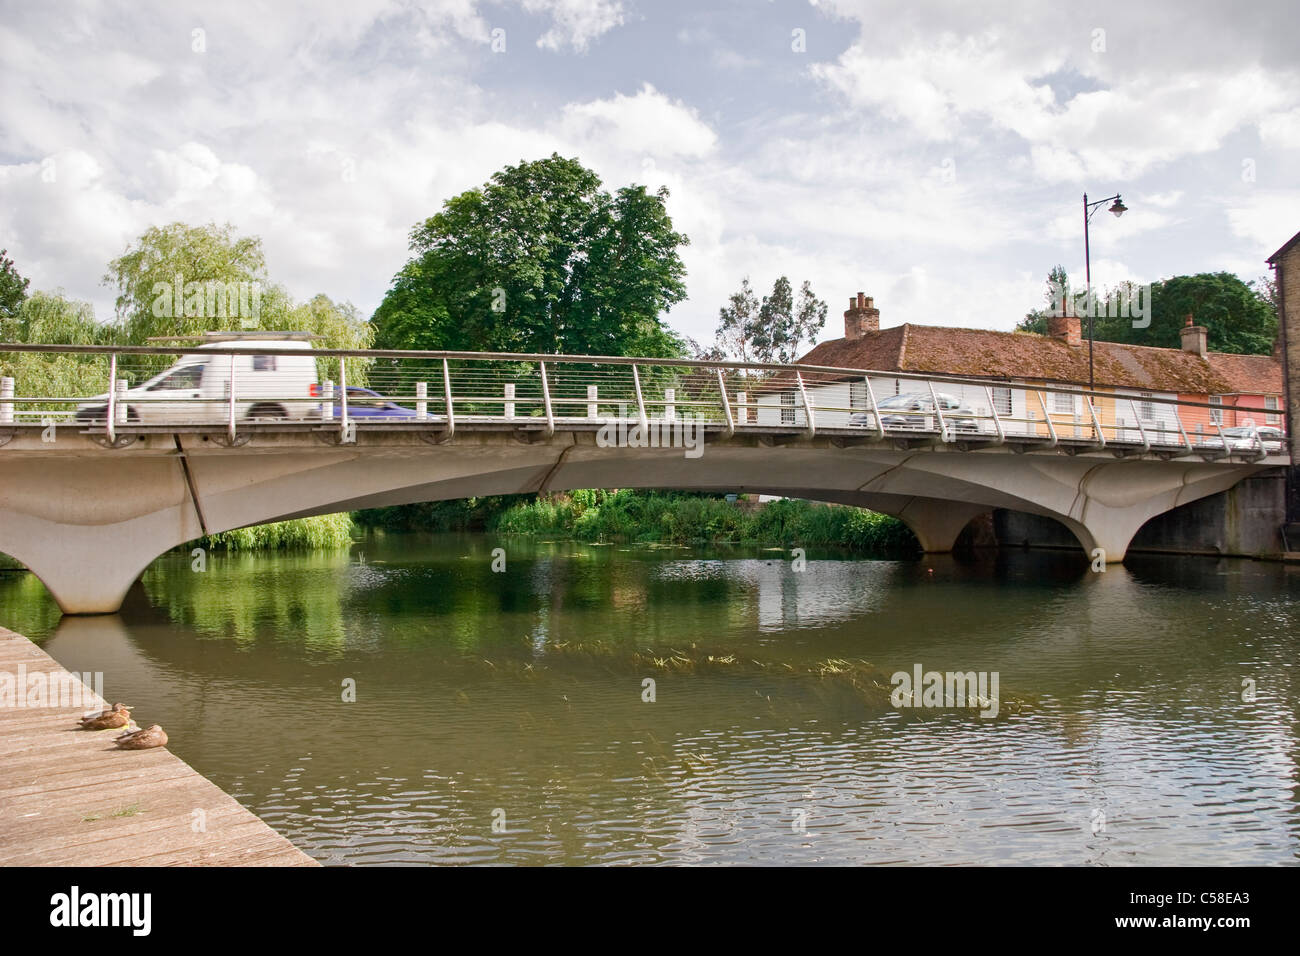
<point>984,353</point>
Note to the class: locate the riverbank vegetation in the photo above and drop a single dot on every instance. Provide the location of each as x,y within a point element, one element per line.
<point>658,516</point>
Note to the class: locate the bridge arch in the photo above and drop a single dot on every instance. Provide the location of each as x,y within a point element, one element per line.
<point>87,519</point>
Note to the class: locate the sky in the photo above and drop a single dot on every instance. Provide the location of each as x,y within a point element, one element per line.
<point>932,155</point>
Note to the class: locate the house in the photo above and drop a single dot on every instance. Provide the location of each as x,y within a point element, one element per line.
<point>1129,375</point>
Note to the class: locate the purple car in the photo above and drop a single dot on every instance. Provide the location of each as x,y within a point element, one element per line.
<point>363,403</point>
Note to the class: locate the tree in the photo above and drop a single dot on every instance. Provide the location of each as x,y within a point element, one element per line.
<point>13,287</point>
<point>53,318</point>
<point>1058,287</point>
<point>770,331</point>
<point>182,280</point>
<point>540,259</point>
<point>737,325</point>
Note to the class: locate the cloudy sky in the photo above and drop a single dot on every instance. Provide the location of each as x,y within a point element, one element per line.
<point>933,155</point>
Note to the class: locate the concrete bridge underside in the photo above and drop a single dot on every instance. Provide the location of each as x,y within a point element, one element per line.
<point>87,519</point>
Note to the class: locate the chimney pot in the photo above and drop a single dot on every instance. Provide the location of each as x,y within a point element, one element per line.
<point>862,317</point>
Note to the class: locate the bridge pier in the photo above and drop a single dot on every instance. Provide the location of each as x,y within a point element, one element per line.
<point>88,527</point>
<point>937,523</point>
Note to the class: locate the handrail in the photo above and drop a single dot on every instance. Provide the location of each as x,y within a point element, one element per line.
<point>558,358</point>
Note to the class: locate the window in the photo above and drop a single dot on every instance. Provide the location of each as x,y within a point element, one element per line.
<point>186,377</point>
<point>1146,410</point>
<point>1002,401</point>
<point>857,395</point>
<point>787,408</point>
<point>1270,401</point>
<point>1216,414</point>
<point>263,363</point>
<point>1062,403</point>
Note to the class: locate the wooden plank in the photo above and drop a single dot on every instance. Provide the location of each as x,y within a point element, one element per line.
<point>68,797</point>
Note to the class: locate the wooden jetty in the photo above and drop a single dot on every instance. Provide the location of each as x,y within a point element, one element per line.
<point>69,798</point>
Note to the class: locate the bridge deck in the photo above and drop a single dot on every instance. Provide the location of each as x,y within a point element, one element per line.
<point>69,797</point>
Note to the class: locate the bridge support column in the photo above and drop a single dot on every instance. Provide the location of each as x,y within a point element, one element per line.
<point>937,523</point>
<point>88,527</point>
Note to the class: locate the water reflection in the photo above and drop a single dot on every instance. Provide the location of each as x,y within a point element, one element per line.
<point>522,692</point>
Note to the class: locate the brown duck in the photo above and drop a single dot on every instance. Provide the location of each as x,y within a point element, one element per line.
<point>119,715</point>
<point>145,739</point>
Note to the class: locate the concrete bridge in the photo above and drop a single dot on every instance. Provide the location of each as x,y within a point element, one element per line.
<point>87,504</point>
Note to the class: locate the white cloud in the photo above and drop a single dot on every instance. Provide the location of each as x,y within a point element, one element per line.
<point>576,22</point>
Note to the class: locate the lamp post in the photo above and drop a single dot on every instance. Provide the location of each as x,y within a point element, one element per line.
<point>1118,208</point>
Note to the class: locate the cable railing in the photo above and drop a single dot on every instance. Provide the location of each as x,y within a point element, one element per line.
<point>232,389</point>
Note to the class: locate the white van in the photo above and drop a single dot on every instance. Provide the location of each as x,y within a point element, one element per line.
<point>201,384</point>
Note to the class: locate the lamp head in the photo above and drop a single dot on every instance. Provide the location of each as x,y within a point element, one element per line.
<point>1118,207</point>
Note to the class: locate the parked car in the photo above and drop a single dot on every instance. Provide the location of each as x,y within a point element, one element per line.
<point>364,403</point>
<point>197,388</point>
<point>1242,438</point>
<point>913,409</point>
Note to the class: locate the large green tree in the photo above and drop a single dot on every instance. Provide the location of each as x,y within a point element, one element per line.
<point>540,259</point>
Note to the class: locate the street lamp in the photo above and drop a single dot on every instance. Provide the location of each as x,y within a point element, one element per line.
<point>1118,209</point>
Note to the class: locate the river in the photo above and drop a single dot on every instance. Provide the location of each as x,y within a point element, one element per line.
<point>647,704</point>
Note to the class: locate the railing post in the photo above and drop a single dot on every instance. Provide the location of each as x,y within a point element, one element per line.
<point>1142,431</point>
<point>1047,416</point>
<point>670,409</point>
<point>446,392</point>
<point>726,405</point>
<point>592,392</point>
<point>807,405</point>
<point>1096,423</point>
<point>742,403</point>
<point>875,409</point>
<point>421,401</point>
<point>640,401</point>
<point>1178,417</point>
<point>345,435</point>
<point>546,401</point>
<point>327,408</point>
<point>509,409</point>
<point>121,401</point>
<point>993,410</point>
<point>938,412</point>
<point>230,411</point>
<point>110,414</point>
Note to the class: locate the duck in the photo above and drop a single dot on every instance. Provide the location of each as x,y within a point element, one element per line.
<point>146,739</point>
<point>119,715</point>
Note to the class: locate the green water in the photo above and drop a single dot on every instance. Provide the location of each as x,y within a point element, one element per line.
<point>502,716</point>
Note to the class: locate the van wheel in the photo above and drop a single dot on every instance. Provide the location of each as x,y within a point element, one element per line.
<point>132,415</point>
<point>267,411</point>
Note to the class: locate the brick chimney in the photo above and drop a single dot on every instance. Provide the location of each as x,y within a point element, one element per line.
<point>862,317</point>
<point>1065,326</point>
<point>1195,337</point>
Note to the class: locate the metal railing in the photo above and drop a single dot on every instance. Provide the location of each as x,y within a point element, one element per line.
<point>439,393</point>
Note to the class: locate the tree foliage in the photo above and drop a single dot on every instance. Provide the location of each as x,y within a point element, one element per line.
<point>1240,317</point>
<point>540,259</point>
<point>768,331</point>
<point>13,287</point>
